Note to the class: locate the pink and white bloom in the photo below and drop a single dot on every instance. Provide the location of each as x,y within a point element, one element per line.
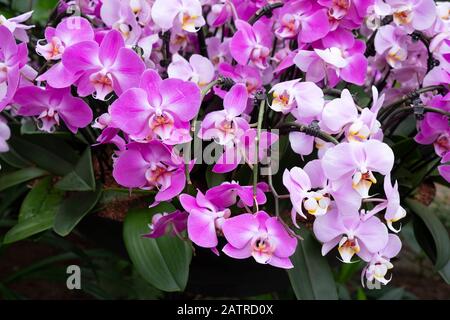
<point>248,75</point>
<point>394,211</point>
<point>342,114</point>
<point>5,134</point>
<point>160,108</point>
<point>392,43</point>
<point>102,69</point>
<point>252,43</point>
<point>342,58</point>
<point>227,194</point>
<point>227,125</point>
<point>150,166</point>
<point>50,106</point>
<point>13,58</point>
<point>259,236</point>
<point>413,14</point>
<point>205,220</point>
<point>16,27</point>
<point>352,234</point>
<point>243,150</point>
<point>167,223</point>
<point>306,96</point>
<point>379,263</point>
<point>198,69</point>
<point>68,32</point>
<point>125,16</point>
<point>303,19</point>
<point>355,162</point>
<point>186,14</point>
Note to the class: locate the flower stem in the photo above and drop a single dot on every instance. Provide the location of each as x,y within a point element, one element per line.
<point>262,107</point>
<point>264,11</point>
<point>312,131</point>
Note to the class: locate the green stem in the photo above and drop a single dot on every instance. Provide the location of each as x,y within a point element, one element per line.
<point>292,126</point>
<point>262,107</point>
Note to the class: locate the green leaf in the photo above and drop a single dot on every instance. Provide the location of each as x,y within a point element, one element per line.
<point>14,160</point>
<point>82,177</point>
<point>37,212</point>
<point>439,249</point>
<point>47,152</point>
<point>17,177</point>
<point>41,200</point>
<point>445,273</point>
<point>311,278</point>
<point>73,209</point>
<point>42,10</point>
<point>163,262</point>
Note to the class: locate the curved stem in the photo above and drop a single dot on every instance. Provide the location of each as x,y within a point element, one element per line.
<point>292,126</point>
<point>408,97</point>
<point>264,11</point>
<point>262,107</point>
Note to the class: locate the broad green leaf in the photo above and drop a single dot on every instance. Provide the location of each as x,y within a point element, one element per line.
<point>14,159</point>
<point>73,209</point>
<point>20,176</point>
<point>437,246</point>
<point>82,177</point>
<point>41,200</point>
<point>163,262</point>
<point>29,228</point>
<point>445,273</point>
<point>311,278</point>
<point>47,152</point>
<point>37,212</point>
<point>393,294</point>
<point>42,10</point>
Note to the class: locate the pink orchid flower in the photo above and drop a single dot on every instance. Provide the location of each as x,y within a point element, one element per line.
<point>350,233</point>
<point>167,223</point>
<point>354,163</point>
<point>227,125</point>
<point>67,33</point>
<point>5,134</point>
<point>186,14</point>
<point>16,27</point>
<point>125,16</point>
<point>299,186</point>
<point>343,57</point>
<point>226,194</point>
<point>150,166</point>
<point>444,170</point>
<point>310,189</point>
<point>198,70</point>
<point>379,263</point>
<point>304,19</point>
<point>434,129</point>
<point>51,105</point>
<point>259,236</point>
<point>220,13</point>
<point>252,43</point>
<point>342,114</point>
<point>413,14</point>
<point>348,14</point>
<point>161,108</point>
<point>247,75</point>
<point>394,211</point>
<point>243,150</point>
<point>392,42</point>
<point>306,96</point>
<point>104,68</point>
<point>204,220</point>
<point>218,51</point>
<point>13,58</point>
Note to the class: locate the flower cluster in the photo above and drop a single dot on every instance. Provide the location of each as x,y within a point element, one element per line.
<point>253,72</point>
